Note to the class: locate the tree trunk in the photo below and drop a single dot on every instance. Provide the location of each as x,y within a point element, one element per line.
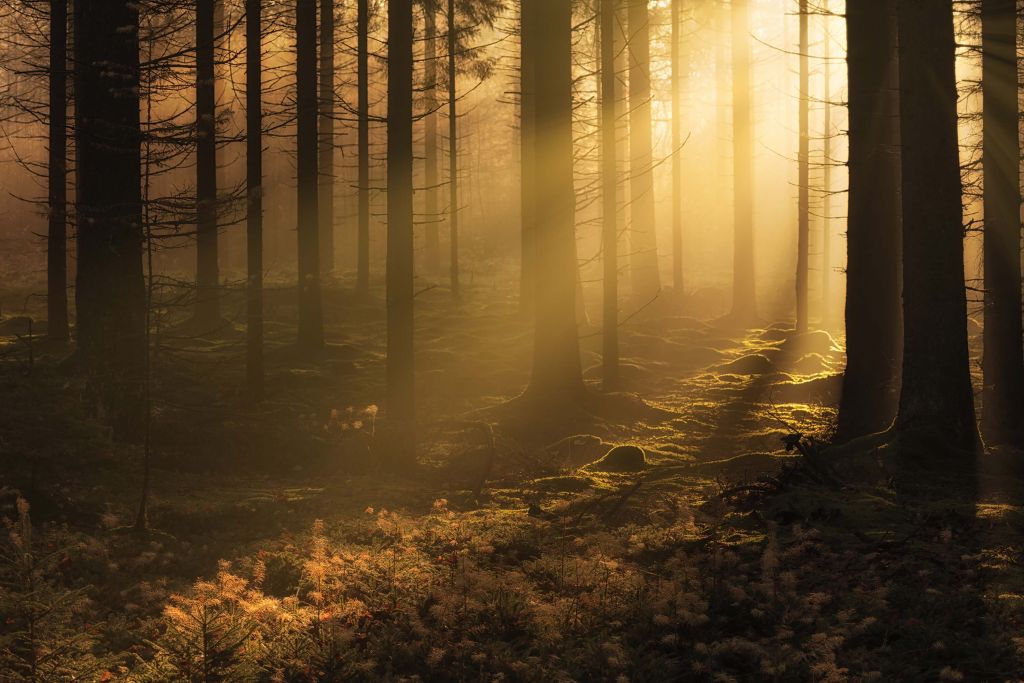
<point>643,246</point>
<point>527,143</point>
<point>723,106</point>
<point>610,93</point>
<point>868,402</point>
<point>936,395</point>
<point>453,154</point>
<point>207,315</point>
<point>57,233</point>
<point>430,152</point>
<point>678,75</point>
<point>744,306</point>
<point>400,368</point>
<point>363,76</point>
<point>804,180</point>
<point>254,193</point>
<point>110,294</point>
<point>325,198</point>
<point>1003,361</point>
<point>557,375</point>
<point>826,182</point>
<point>311,327</point>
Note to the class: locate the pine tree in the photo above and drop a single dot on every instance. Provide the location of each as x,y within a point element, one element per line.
<point>936,395</point>
<point>557,375</point>
<point>873,313</point>
<point>110,295</point>
<point>311,325</point>
<point>400,363</point>
<point>1003,359</point>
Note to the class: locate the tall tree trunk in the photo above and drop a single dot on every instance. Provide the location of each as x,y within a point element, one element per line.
<point>453,153</point>
<point>826,182</point>
<point>110,295</point>
<point>557,375</point>
<point>610,93</point>
<point>254,193</point>
<point>936,395</point>
<point>677,153</point>
<point>643,246</point>
<point>1003,361</point>
<point>430,152</point>
<point>527,146</point>
<point>207,315</point>
<point>744,305</point>
<point>311,326</point>
<point>622,155</point>
<point>722,32</point>
<point>57,233</point>
<point>325,198</point>
<point>873,304</point>
<point>400,367</point>
<point>804,181</point>
<point>363,76</point>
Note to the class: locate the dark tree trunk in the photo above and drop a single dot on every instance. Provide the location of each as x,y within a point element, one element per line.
<point>744,306</point>
<point>527,143</point>
<point>557,375</point>
<point>804,180</point>
<point>430,152</point>
<point>400,366</point>
<point>1003,361</point>
<point>643,245</point>
<point>936,395</point>
<point>610,93</point>
<point>254,187</point>
<point>363,77</point>
<point>311,326</point>
<point>57,233</point>
<point>678,74</point>
<point>453,154</point>
<point>110,295</point>
<point>325,199</point>
<point>207,268</point>
<point>868,402</point>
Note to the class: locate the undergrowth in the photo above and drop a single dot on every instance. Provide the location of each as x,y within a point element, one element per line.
<point>680,593</point>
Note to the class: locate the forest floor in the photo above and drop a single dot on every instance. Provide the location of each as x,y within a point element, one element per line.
<point>510,553</point>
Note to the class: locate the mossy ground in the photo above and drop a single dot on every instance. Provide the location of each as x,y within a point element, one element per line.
<point>720,560</point>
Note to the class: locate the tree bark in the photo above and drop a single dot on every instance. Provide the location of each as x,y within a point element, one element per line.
<point>744,307</point>
<point>1003,360</point>
<point>363,77</point>
<point>804,179</point>
<point>610,93</point>
<point>936,396</point>
<point>643,246</point>
<point>110,294</point>
<point>527,146</point>
<point>254,193</point>
<point>557,375</point>
<point>311,327</point>
<point>826,190</point>
<point>400,367</point>
<point>325,197</point>
<point>453,154</point>
<point>873,305</point>
<point>678,75</point>
<point>57,233</point>
<point>207,315</point>
<point>430,152</point>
